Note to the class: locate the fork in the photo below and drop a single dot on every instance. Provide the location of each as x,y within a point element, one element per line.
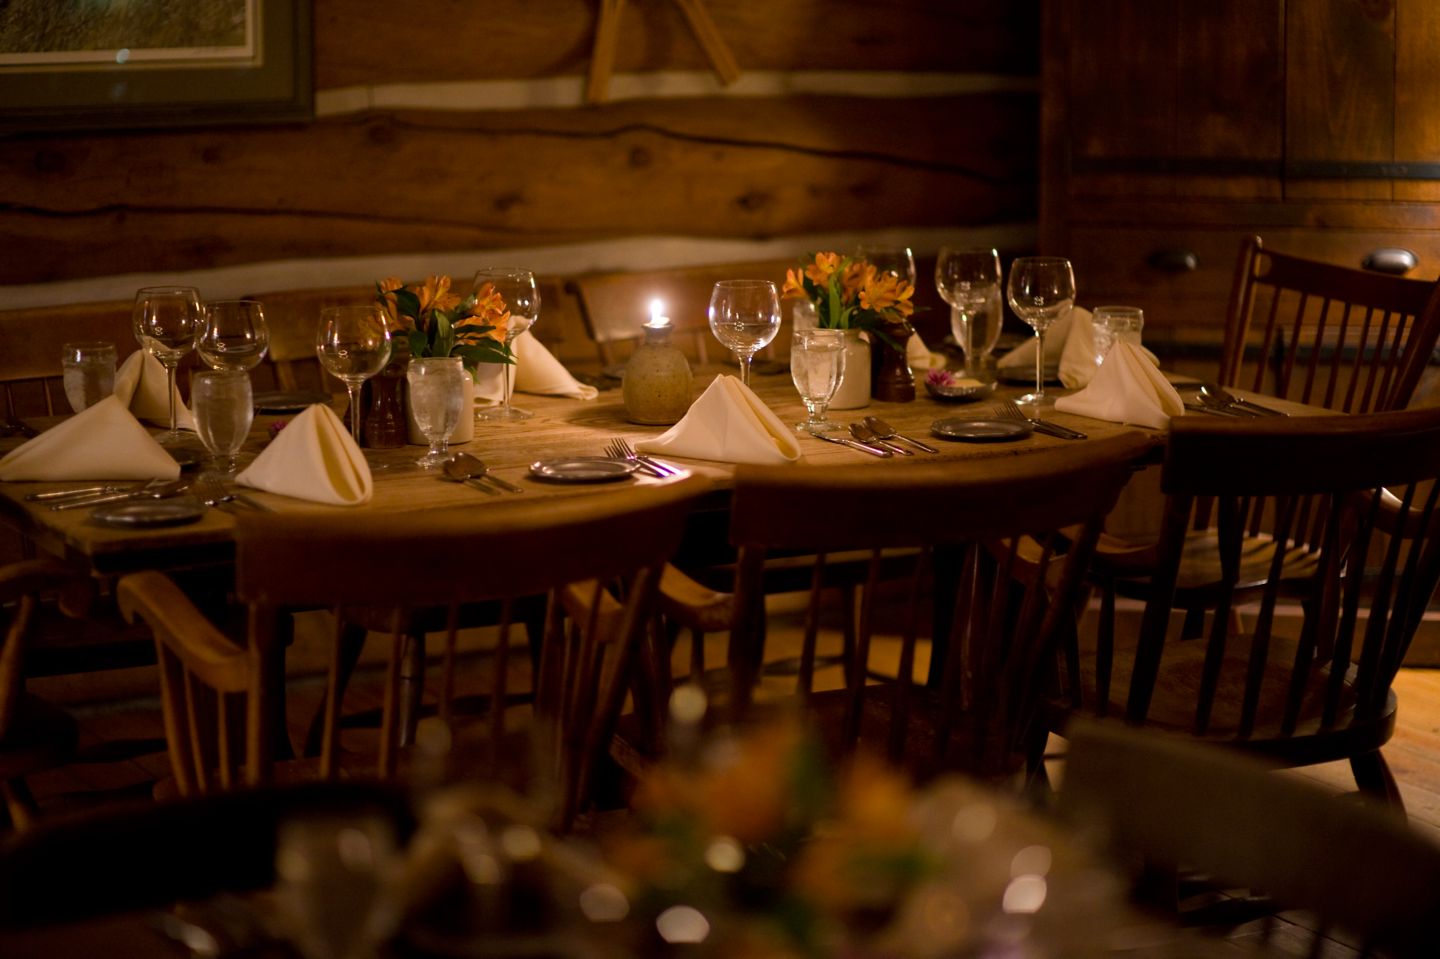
<point>620,448</point>
<point>1010,410</point>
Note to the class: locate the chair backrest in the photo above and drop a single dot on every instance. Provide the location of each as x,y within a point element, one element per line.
<point>1327,335</point>
<point>1171,803</point>
<point>614,305</point>
<point>30,342</point>
<point>571,548</point>
<point>293,317</point>
<point>1359,492</point>
<point>1007,540</point>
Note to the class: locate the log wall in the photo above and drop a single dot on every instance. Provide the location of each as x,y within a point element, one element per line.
<point>366,179</point>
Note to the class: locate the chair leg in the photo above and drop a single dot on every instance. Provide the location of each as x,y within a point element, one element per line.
<point>352,644</point>
<point>1373,776</point>
<point>18,803</point>
<point>412,685</point>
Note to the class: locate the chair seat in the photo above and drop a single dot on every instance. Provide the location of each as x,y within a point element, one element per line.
<point>1131,565</point>
<point>41,736</point>
<point>1172,706</point>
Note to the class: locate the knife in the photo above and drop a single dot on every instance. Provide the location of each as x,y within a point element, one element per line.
<point>145,492</point>
<point>853,444</point>
<point>59,494</point>
<point>1056,430</point>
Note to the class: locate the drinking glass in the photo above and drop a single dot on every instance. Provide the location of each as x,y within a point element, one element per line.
<point>522,299</point>
<point>89,372</point>
<point>969,280</point>
<point>167,320</point>
<point>817,362</point>
<point>1115,324</point>
<point>745,316</point>
<point>897,260</point>
<point>335,883</point>
<point>436,399</point>
<point>353,344</point>
<point>234,336</point>
<point>224,409</point>
<point>1041,291</point>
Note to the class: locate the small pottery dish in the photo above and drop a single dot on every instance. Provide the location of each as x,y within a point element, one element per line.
<point>949,387</point>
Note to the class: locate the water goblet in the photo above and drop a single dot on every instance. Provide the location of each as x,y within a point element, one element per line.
<point>969,281</point>
<point>436,399</point>
<point>166,321</point>
<point>223,408</point>
<point>234,336</point>
<point>517,288</point>
<point>353,344</point>
<point>745,316</point>
<point>89,372</point>
<point>817,362</point>
<point>335,883</point>
<point>895,260</point>
<point>1041,290</point>
<point>1116,324</point>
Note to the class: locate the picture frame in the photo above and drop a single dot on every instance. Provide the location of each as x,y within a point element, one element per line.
<point>263,76</point>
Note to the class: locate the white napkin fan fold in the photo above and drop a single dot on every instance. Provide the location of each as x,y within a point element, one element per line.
<point>1127,388</point>
<point>728,424</point>
<point>313,458</point>
<point>141,382</point>
<point>535,371</point>
<point>105,442</point>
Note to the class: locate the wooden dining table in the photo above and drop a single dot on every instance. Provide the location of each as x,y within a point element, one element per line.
<point>560,428</point>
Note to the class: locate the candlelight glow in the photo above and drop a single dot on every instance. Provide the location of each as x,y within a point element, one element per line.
<point>657,313</point>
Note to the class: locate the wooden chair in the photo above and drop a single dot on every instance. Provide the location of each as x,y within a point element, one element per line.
<point>293,317</point>
<point>1327,335</point>
<point>1360,563</point>
<point>614,305</point>
<point>1162,803</point>
<point>34,735</point>
<point>570,548</point>
<point>1013,597</point>
<point>30,343</point>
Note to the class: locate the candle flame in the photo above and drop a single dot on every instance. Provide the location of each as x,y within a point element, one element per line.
<point>657,313</point>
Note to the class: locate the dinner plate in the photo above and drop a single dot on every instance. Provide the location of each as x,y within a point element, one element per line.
<point>176,511</point>
<point>980,430</point>
<point>280,401</point>
<point>582,469</point>
<point>188,459</point>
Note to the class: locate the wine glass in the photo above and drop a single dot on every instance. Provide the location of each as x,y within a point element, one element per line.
<point>745,316</point>
<point>353,344</point>
<point>1041,291</point>
<point>969,280</point>
<point>167,320</point>
<point>436,398</point>
<point>234,336</point>
<point>896,260</point>
<point>817,362</point>
<point>223,408</point>
<point>522,299</point>
<point>336,883</point>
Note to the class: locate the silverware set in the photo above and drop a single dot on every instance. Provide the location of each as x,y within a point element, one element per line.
<point>155,489</point>
<point>874,436</point>
<point>1010,410</point>
<point>1215,400</point>
<point>619,448</point>
<point>213,493</point>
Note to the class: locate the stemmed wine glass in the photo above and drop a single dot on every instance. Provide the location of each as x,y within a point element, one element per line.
<point>436,397</point>
<point>745,316</point>
<point>817,362</point>
<point>1041,291</point>
<point>517,288</point>
<point>234,336</point>
<point>224,409</point>
<point>166,320</point>
<point>897,260</point>
<point>969,280</point>
<point>353,344</point>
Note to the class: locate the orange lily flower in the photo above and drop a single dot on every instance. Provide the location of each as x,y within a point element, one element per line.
<point>823,268</point>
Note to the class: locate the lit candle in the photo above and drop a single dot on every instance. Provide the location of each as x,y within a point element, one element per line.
<point>658,319</point>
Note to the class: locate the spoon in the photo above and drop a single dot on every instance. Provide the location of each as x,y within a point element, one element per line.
<point>865,434</point>
<point>1217,397</point>
<point>887,432</point>
<point>149,491</point>
<point>466,466</point>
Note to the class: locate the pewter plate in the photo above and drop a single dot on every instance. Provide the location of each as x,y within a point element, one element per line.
<point>980,430</point>
<point>166,512</point>
<point>288,402</point>
<point>582,469</point>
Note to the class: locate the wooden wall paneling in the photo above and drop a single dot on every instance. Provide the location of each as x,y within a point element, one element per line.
<point>1122,80</point>
<point>414,181</point>
<point>1417,77</point>
<point>363,42</point>
<point>1230,89</point>
<point>1340,93</point>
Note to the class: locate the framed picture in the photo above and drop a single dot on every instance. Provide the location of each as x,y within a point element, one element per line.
<point>98,64</point>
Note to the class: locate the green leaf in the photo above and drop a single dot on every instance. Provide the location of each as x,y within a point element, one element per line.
<point>418,344</point>
<point>489,352</point>
<point>407,303</point>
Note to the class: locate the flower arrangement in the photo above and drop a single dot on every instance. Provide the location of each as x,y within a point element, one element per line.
<point>780,855</point>
<point>850,293</point>
<point>438,322</point>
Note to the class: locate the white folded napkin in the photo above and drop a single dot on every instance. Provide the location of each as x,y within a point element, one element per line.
<point>919,356</point>
<point>140,382</point>
<point>535,371</point>
<point>105,442</point>
<point>1127,388</point>
<point>313,458</point>
<point>730,424</point>
<point>1023,356</point>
